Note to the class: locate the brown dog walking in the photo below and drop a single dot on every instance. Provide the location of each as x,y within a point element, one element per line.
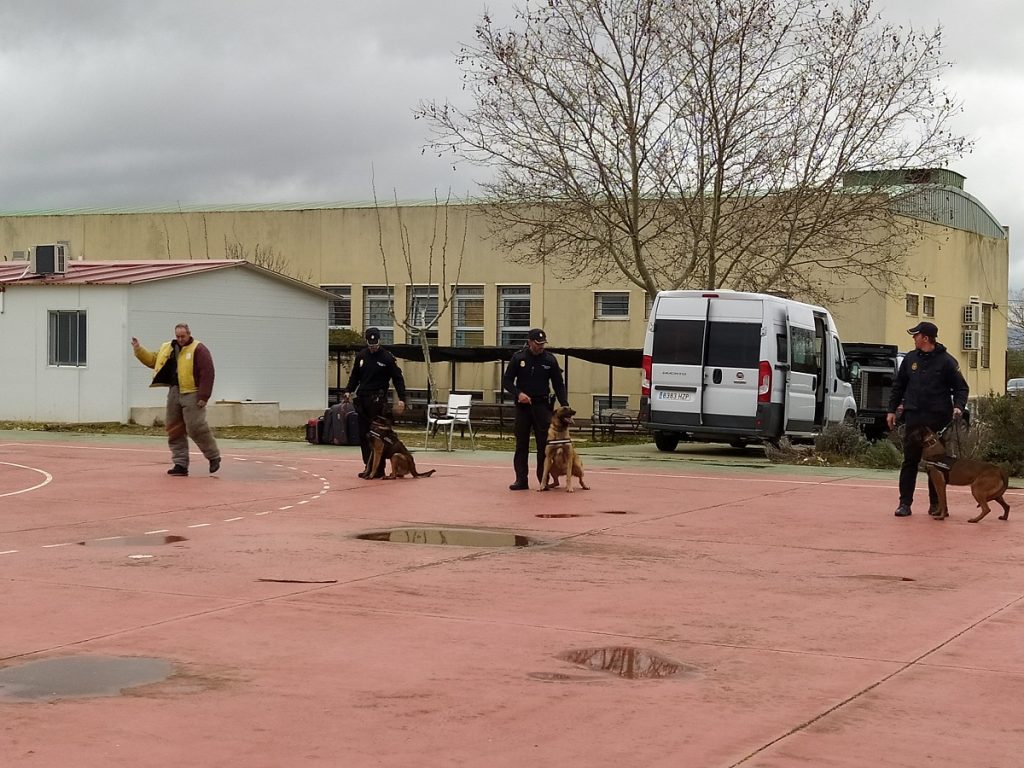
<point>988,482</point>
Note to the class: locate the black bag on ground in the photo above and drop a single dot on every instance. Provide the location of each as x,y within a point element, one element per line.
<point>341,425</point>
<point>314,430</point>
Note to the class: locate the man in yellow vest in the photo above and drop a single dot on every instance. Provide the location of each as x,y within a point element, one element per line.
<point>186,367</point>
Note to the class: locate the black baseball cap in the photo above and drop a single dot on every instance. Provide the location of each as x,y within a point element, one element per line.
<point>372,335</point>
<point>537,334</point>
<point>928,329</point>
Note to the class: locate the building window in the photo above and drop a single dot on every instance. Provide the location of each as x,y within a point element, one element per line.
<point>67,337</point>
<point>377,304</point>
<point>648,305</point>
<point>513,315</point>
<point>468,316</point>
<point>912,304</point>
<point>421,305</point>
<point>602,403</point>
<point>611,305</point>
<point>339,315</point>
<point>928,306</point>
<point>985,329</point>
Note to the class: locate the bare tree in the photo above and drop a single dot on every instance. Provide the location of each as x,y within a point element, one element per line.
<point>429,294</point>
<point>264,256</point>
<point>703,143</point>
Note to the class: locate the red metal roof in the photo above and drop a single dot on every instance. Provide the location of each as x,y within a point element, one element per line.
<point>111,272</point>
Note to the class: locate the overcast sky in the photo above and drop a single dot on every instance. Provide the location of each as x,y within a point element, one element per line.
<point>109,103</point>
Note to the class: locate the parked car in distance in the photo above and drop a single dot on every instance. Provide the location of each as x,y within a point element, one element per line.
<point>1015,387</point>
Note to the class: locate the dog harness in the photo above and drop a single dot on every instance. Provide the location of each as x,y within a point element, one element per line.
<point>944,465</point>
<point>564,441</point>
<point>387,440</point>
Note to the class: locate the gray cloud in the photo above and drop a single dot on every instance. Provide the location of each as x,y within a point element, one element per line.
<point>120,102</point>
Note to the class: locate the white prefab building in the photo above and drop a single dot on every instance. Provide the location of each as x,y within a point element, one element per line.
<point>65,340</point>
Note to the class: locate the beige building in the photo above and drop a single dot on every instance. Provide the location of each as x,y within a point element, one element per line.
<point>960,266</point>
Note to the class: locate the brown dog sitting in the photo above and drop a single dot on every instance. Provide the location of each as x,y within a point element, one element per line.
<point>988,482</point>
<point>560,458</point>
<point>385,445</point>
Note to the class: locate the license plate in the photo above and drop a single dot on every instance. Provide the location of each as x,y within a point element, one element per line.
<point>672,395</point>
<point>865,419</point>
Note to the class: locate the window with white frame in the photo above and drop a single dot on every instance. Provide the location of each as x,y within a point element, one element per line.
<point>611,305</point>
<point>912,302</point>
<point>928,306</point>
<point>339,314</point>
<point>67,337</point>
<point>513,315</point>
<point>648,304</point>
<point>421,305</point>
<point>986,335</point>
<point>468,316</point>
<point>377,311</point>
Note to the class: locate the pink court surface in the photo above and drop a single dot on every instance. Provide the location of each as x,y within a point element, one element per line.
<point>696,609</point>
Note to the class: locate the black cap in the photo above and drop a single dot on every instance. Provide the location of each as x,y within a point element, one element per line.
<point>372,335</point>
<point>928,329</point>
<point>537,334</point>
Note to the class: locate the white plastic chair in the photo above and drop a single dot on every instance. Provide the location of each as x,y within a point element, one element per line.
<point>448,416</point>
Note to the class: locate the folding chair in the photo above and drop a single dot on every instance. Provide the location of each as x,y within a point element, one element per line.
<point>448,416</point>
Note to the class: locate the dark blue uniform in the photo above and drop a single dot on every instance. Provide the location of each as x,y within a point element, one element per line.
<point>535,375</point>
<point>928,386</point>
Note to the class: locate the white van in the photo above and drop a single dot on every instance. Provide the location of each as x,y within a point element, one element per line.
<point>734,367</point>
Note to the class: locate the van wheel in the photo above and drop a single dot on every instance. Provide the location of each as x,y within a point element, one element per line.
<point>666,441</point>
<point>738,443</point>
<point>850,418</point>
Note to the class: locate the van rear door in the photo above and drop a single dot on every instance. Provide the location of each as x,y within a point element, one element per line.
<point>677,356</point>
<point>732,355</point>
<point>803,369</point>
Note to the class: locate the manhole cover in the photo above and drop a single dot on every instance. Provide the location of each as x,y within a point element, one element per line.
<point>133,541</point>
<point>631,663</point>
<point>457,537</point>
<point>80,676</point>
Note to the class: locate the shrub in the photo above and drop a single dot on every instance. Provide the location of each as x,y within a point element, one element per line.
<point>842,440</point>
<point>1000,424</point>
<point>882,454</point>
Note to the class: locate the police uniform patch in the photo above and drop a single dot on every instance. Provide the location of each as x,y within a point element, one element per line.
<point>522,363</point>
<point>913,366</point>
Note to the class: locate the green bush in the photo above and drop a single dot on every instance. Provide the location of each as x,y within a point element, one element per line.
<point>843,439</point>
<point>882,454</point>
<point>999,422</point>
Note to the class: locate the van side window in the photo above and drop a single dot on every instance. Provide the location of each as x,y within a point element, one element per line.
<point>803,343</point>
<point>734,345</point>
<point>783,344</point>
<point>678,342</point>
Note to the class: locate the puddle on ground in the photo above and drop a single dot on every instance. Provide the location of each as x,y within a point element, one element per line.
<point>133,541</point>
<point>561,514</point>
<point>615,512</point>
<point>457,537</point>
<point>631,663</point>
<point>74,677</point>
<point>881,577</point>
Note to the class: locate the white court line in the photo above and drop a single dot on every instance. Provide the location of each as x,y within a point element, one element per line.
<point>48,478</point>
<point>233,519</point>
<point>162,530</point>
<point>51,546</point>
<point>200,525</point>
<point>8,552</point>
<point>282,509</point>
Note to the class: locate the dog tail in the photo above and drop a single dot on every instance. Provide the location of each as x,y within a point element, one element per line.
<point>428,473</point>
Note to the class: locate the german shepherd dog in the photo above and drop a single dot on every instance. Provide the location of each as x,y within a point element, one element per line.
<point>385,445</point>
<point>988,482</point>
<point>560,457</point>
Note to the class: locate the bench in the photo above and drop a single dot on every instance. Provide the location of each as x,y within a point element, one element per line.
<point>608,421</point>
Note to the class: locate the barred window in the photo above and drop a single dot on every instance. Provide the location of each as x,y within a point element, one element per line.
<point>513,315</point>
<point>339,315</point>
<point>468,316</point>
<point>421,305</point>
<point>67,337</point>
<point>928,306</point>
<point>377,303</point>
<point>611,305</point>
<point>912,299</point>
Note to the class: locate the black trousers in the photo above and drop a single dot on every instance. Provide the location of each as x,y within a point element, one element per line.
<point>912,453</point>
<point>369,407</point>
<point>536,418</point>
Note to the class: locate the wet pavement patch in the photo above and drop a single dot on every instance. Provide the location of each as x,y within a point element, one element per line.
<point>133,541</point>
<point>561,514</point>
<point>624,661</point>
<point>73,677</point>
<point>881,577</point>
<point>457,537</point>
<point>616,512</point>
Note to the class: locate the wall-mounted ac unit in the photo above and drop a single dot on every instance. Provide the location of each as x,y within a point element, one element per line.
<point>19,255</point>
<point>49,259</point>
<point>971,341</point>
<point>972,314</point>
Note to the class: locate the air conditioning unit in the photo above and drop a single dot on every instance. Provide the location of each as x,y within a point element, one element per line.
<point>972,314</point>
<point>49,259</point>
<point>971,341</point>
<point>19,255</point>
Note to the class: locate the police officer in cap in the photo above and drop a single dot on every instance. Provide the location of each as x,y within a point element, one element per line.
<point>931,392</point>
<point>530,374</point>
<point>374,369</point>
